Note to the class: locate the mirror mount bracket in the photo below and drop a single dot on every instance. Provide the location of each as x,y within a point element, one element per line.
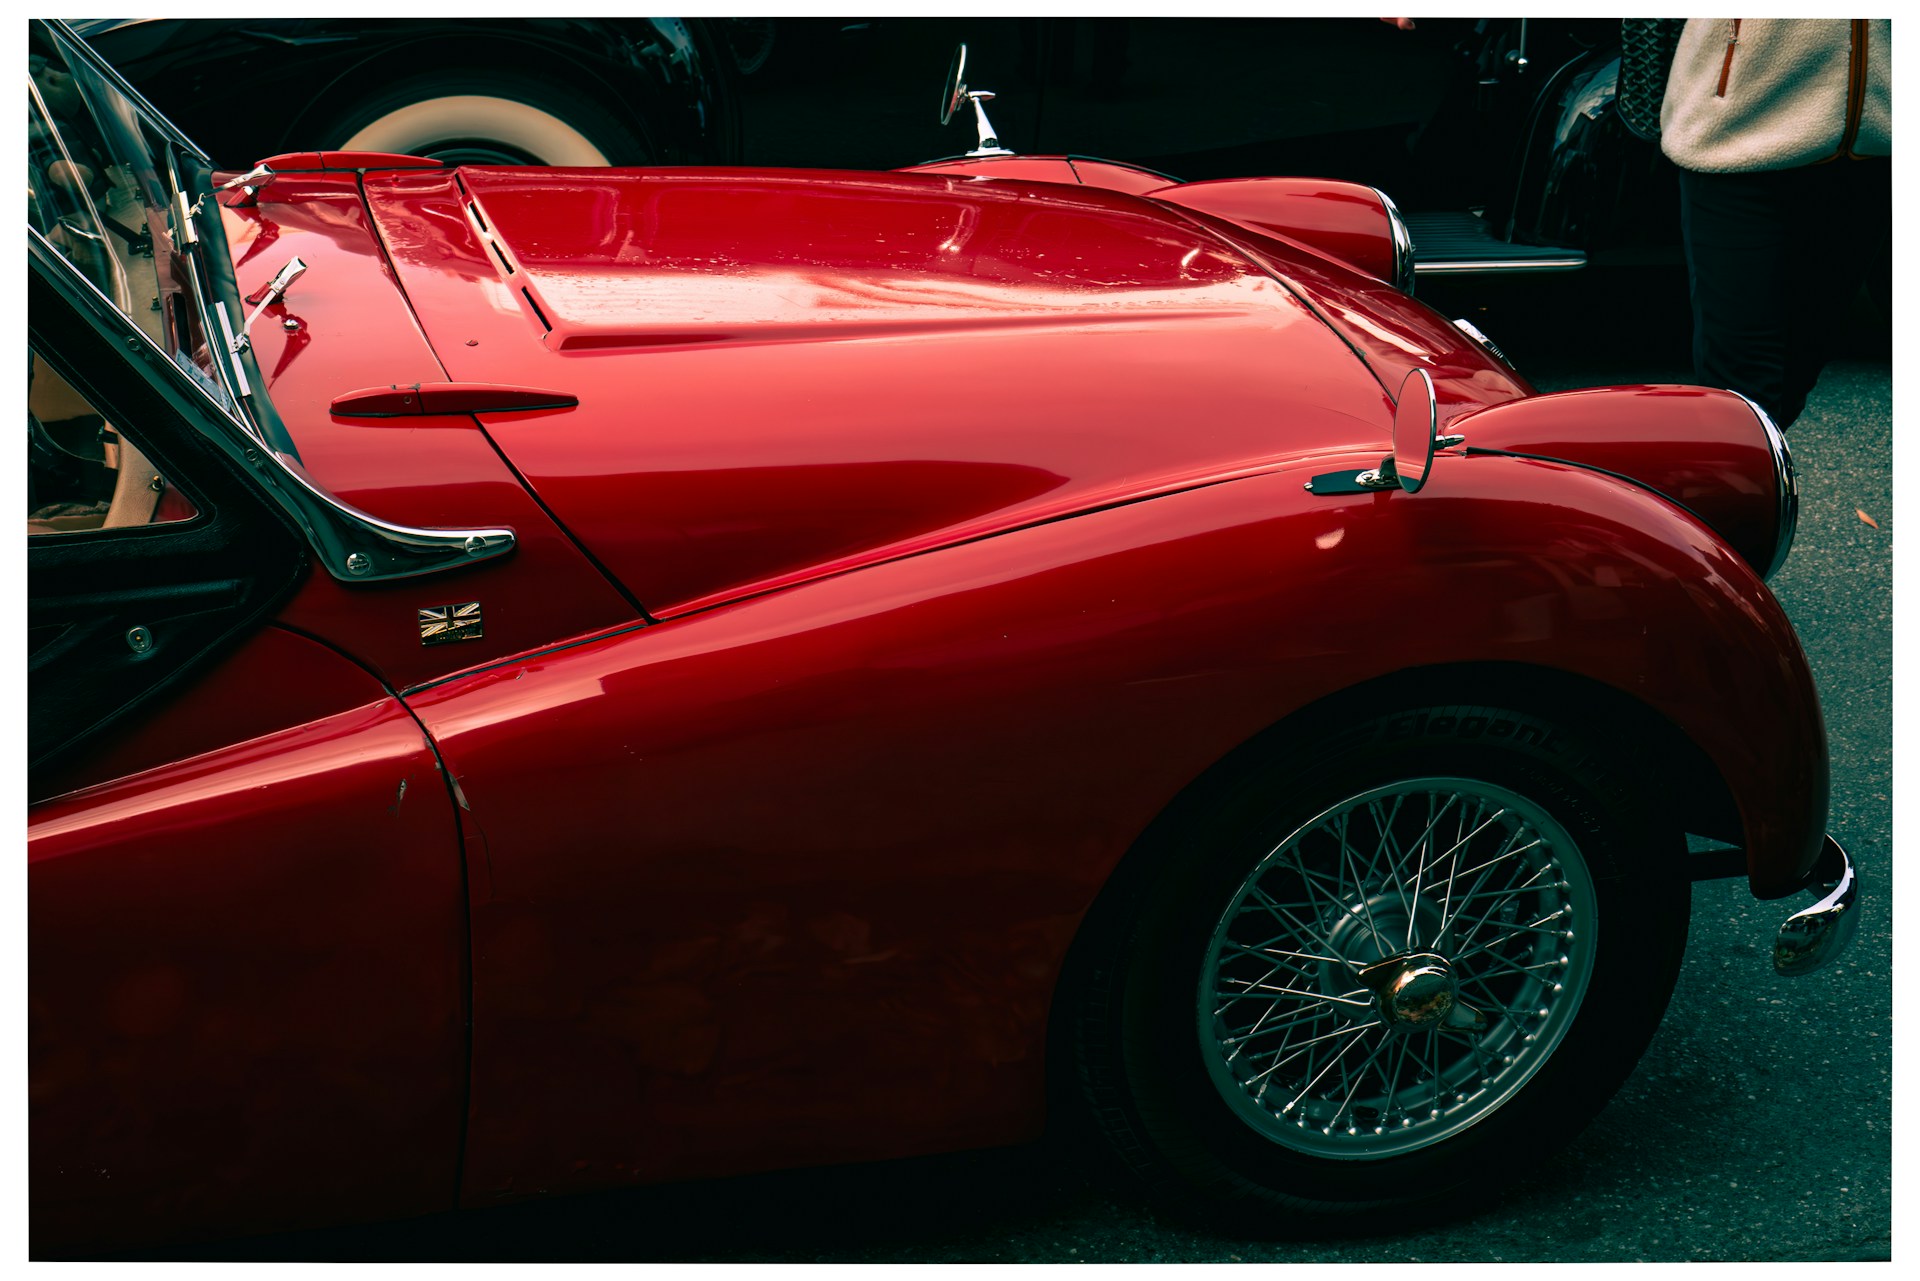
<point>1361,480</point>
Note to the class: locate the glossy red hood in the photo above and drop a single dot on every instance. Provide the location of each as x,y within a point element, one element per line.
<point>785,373</point>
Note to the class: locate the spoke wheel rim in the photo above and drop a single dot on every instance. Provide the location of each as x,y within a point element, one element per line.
<point>1469,896</point>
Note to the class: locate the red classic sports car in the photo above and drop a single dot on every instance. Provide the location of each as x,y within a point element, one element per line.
<point>550,679</point>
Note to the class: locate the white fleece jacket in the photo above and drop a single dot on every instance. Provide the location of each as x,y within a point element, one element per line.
<point>1777,93</point>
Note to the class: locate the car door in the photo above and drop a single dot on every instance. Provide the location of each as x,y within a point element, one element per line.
<point>247,927</point>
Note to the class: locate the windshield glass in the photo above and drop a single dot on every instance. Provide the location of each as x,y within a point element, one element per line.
<point>93,185</point>
<point>102,178</point>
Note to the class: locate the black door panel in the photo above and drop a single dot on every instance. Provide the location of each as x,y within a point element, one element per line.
<point>115,615</point>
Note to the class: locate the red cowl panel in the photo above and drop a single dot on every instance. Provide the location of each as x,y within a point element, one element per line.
<point>1341,219</point>
<point>436,469</point>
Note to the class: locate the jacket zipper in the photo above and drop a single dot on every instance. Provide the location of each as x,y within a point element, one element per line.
<point>1856,87</point>
<point>1726,67</point>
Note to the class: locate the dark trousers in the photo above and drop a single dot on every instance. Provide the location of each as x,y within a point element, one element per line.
<point>1774,260</point>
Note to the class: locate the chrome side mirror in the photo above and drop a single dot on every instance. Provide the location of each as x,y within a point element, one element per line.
<point>1415,424</point>
<point>1416,435</point>
<point>955,93</point>
<point>1416,432</point>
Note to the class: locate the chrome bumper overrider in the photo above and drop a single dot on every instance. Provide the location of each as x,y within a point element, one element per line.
<point>1815,935</point>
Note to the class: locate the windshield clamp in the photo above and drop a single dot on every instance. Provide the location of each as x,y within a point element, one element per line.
<point>234,347</point>
<point>250,182</point>
<point>183,214</point>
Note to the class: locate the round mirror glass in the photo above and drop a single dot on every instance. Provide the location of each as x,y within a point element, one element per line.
<point>956,91</point>
<point>1415,423</point>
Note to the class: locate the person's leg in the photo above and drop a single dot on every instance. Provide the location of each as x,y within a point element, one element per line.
<point>1739,238</point>
<point>1842,226</point>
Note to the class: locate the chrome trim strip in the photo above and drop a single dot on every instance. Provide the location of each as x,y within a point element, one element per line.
<point>1403,256</point>
<point>1813,936</point>
<point>1454,266</point>
<point>1787,520</point>
<point>1472,331</point>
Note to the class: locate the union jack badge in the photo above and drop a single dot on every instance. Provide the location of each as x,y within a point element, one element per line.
<point>444,624</point>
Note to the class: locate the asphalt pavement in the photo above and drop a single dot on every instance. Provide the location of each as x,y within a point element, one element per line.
<point>1757,1127</point>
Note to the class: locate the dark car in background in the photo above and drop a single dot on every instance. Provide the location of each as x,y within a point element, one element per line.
<point>1498,136</point>
<point>557,91</point>
<point>1533,210</point>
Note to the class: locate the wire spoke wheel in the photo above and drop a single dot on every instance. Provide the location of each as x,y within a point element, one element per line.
<point>1360,969</point>
<point>1397,968</point>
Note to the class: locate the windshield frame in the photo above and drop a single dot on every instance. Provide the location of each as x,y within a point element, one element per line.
<point>352,545</point>
<point>177,181</point>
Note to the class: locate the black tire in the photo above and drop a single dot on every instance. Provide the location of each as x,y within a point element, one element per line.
<point>475,118</point>
<point>1178,988</point>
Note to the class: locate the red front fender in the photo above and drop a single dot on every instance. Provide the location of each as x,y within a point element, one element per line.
<point>856,821</point>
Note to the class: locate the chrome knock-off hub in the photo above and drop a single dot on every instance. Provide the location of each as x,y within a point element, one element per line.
<point>1415,993</point>
<point>1419,992</point>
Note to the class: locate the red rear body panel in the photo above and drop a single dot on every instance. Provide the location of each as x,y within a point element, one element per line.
<point>1071,171</point>
<point>1341,219</point>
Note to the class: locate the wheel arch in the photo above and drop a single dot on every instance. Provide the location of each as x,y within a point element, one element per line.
<point>1689,789</point>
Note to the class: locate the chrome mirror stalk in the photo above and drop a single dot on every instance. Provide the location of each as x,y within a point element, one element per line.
<point>989,144</point>
<point>955,93</point>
